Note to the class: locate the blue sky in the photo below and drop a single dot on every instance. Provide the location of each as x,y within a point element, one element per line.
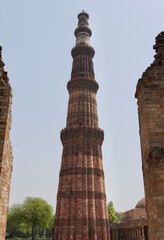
<point>37,37</point>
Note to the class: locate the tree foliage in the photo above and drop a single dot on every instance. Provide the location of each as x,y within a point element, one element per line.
<point>23,219</point>
<point>15,224</point>
<point>111,213</point>
<point>119,216</point>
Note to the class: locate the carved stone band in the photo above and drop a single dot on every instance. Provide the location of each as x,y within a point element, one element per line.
<point>81,115</point>
<point>82,83</point>
<point>82,99</point>
<point>82,222</point>
<point>82,132</point>
<point>83,171</point>
<point>82,195</point>
<point>83,29</point>
<point>83,49</point>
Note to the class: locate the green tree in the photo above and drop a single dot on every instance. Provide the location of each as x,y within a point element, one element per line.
<point>15,225</point>
<point>26,217</point>
<point>50,228</point>
<point>37,212</point>
<point>119,216</point>
<point>111,213</point>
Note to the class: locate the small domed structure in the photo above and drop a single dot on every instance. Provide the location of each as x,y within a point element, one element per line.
<point>141,204</point>
<point>134,222</point>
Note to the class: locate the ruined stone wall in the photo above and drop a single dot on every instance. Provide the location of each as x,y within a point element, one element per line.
<point>134,214</point>
<point>150,94</point>
<point>6,158</point>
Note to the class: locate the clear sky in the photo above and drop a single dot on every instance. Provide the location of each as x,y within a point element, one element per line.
<point>37,37</point>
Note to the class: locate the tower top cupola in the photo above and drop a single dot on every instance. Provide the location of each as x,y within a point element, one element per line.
<point>83,32</point>
<point>83,19</point>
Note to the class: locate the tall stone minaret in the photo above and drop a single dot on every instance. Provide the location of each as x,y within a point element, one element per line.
<point>81,211</point>
<point>6,158</point>
<point>150,95</point>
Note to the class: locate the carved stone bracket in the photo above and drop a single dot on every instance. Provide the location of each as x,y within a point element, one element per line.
<point>83,49</point>
<point>82,83</point>
<point>82,132</point>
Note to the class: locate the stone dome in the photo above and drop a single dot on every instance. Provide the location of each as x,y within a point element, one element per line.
<point>141,203</point>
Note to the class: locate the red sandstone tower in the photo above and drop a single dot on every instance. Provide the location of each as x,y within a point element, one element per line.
<point>150,94</point>
<point>81,211</point>
<point>6,159</point>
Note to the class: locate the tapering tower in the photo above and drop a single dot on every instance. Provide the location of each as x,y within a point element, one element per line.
<point>81,211</point>
<point>6,159</point>
<point>150,95</point>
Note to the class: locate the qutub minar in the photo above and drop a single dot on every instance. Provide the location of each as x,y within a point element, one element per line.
<point>81,211</point>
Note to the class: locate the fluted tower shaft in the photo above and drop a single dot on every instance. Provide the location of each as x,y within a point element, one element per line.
<point>81,211</point>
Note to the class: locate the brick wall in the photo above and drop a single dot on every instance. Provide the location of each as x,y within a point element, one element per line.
<point>134,214</point>
<point>150,94</point>
<point>5,147</point>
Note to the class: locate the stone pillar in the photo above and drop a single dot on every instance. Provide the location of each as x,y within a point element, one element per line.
<point>6,158</point>
<point>116,234</point>
<point>81,211</point>
<point>142,233</point>
<point>150,95</point>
